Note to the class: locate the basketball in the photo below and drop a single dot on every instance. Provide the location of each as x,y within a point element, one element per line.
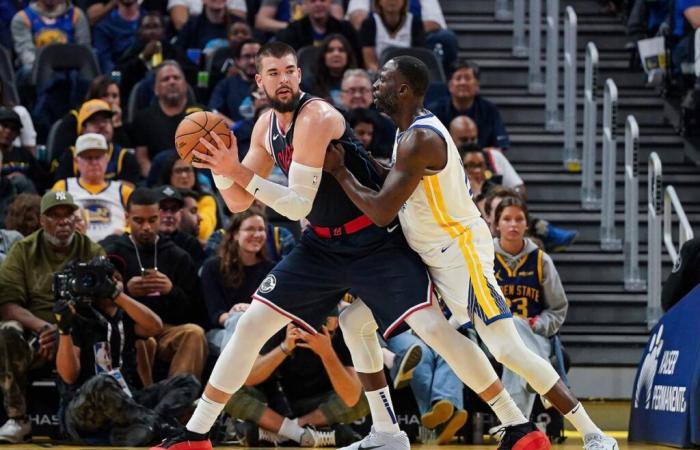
<point>198,125</point>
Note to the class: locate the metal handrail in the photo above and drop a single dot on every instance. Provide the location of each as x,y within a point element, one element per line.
<point>552,116</point>
<point>608,239</point>
<point>571,156</point>
<point>685,232</point>
<point>535,81</point>
<point>502,11</point>
<point>519,44</point>
<point>633,280</point>
<point>654,212</point>
<point>590,198</point>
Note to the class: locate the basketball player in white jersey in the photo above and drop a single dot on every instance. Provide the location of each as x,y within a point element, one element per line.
<point>426,187</point>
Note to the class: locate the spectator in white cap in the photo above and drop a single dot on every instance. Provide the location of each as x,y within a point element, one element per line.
<point>103,200</point>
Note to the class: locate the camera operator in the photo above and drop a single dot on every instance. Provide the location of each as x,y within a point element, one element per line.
<point>163,277</point>
<point>96,362</point>
<point>26,301</point>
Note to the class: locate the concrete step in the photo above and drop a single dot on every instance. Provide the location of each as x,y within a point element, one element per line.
<point>568,186</point>
<point>555,206</point>
<point>499,35</point>
<point>611,309</point>
<point>450,7</point>
<point>556,167</point>
<point>598,267</point>
<point>604,350</point>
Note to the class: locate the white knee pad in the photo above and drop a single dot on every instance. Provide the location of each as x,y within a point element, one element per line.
<point>508,348</point>
<point>360,334</point>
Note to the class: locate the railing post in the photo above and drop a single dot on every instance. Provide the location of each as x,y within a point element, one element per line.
<point>654,212</point>
<point>590,198</point>
<point>572,157</point>
<point>503,12</point>
<point>685,232</point>
<point>633,281</point>
<point>535,80</point>
<point>519,45</point>
<point>552,119</point>
<point>608,239</point>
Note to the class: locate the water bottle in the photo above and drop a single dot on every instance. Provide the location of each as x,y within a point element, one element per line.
<point>439,52</point>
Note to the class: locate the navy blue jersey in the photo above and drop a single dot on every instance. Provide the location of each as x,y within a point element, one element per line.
<point>332,207</point>
<point>522,286</point>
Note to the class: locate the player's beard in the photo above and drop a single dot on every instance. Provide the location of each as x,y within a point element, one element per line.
<point>388,103</point>
<point>283,107</point>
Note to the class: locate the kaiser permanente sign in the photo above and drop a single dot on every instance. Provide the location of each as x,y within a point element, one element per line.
<point>666,397</point>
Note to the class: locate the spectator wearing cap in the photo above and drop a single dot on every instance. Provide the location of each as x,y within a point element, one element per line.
<point>464,100</point>
<point>171,206</point>
<point>223,62</point>
<point>206,31</point>
<point>26,301</point>
<point>163,277</point>
<point>95,116</point>
<point>18,164</point>
<point>67,128</point>
<point>104,200</point>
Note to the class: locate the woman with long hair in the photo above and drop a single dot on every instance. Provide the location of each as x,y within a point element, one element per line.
<point>181,175</point>
<point>390,25</point>
<point>232,276</point>
<point>335,56</point>
<point>532,288</point>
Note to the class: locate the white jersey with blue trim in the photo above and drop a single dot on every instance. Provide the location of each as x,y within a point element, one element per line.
<point>441,208</point>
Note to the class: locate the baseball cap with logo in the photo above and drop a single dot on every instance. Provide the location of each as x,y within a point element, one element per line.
<point>168,192</point>
<point>92,107</point>
<point>56,198</point>
<point>7,115</point>
<point>90,141</point>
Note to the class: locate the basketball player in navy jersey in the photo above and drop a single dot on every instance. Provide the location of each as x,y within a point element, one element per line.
<point>341,250</point>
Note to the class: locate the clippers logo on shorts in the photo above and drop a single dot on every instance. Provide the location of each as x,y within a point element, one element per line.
<point>268,284</point>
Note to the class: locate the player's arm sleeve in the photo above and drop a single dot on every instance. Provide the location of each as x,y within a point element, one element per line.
<point>295,201</point>
<point>556,303</point>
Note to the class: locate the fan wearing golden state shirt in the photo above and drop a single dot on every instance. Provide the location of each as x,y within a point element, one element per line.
<point>532,288</point>
<point>104,201</point>
<point>426,188</point>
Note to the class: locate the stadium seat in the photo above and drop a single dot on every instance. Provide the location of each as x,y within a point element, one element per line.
<point>64,57</point>
<point>424,54</point>
<point>7,76</point>
<point>306,59</point>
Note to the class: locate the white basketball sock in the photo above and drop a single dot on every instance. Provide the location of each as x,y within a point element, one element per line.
<point>291,430</point>
<point>506,410</point>
<point>383,415</point>
<point>580,420</point>
<point>204,415</point>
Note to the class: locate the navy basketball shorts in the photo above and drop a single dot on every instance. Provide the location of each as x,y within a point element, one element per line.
<point>378,266</point>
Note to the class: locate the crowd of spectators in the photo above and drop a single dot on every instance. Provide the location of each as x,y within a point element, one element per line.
<point>96,180</point>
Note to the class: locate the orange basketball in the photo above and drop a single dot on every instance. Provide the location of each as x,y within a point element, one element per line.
<point>198,125</point>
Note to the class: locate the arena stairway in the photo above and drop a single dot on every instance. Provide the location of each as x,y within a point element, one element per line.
<point>605,330</point>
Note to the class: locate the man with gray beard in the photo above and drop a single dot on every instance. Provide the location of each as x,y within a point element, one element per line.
<point>27,329</point>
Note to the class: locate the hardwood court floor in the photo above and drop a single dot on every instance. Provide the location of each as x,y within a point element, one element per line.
<point>570,444</point>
